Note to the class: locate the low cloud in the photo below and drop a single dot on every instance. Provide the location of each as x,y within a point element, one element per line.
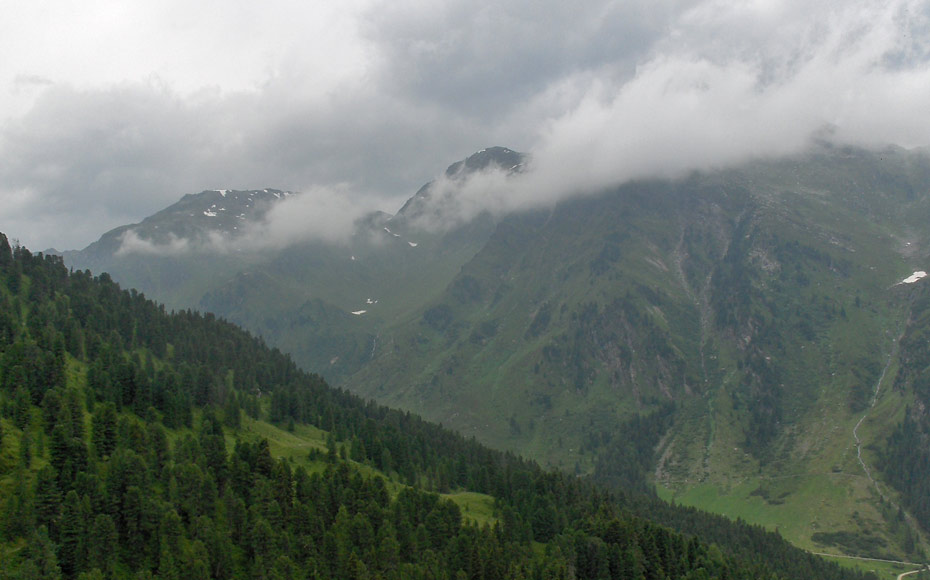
<point>131,243</point>
<point>328,215</point>
<point>597,95</point>
<point>320,214</point>
<point>853,76</point>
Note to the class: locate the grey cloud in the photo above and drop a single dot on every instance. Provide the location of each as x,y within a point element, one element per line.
<point>115,156</point>
<point>692,107</point>
<point>598,94</point>
<point>132,243</point>
<point>22,81</point>
<point>485,59</point>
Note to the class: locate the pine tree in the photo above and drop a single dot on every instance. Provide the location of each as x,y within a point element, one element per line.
<point>25,449</point>
<point>73,535</point>
<point>103,430</point>
<point>101,541</point>
<point>47,498</point>
<point>42,554</point>
<point>19,517</point>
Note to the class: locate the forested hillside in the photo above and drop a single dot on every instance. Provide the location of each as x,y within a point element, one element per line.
<point>129,449</point>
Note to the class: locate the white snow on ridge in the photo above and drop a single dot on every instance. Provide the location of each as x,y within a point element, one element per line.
<point>914,277</point>
<point>221,191</point>
<point>209,213</point>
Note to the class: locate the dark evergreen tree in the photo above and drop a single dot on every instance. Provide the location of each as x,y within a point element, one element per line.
<point>103,429</point>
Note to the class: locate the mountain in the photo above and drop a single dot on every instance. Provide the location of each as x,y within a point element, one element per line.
<point>728,337</point>
<point>325,304</point>
<point>137,443</point>
<point>762,304</point>
<point>209,225</point>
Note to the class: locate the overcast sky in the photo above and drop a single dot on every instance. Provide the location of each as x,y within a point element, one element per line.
<point>110,111</point>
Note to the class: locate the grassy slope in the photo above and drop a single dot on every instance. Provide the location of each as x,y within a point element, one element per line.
<point>490,383</point>
<point>816,483</point>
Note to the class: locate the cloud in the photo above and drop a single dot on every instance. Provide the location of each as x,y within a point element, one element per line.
<point>328,215</point>
<point>131,243</point>
<point>787,74</point>
<point>374,99</point>
<point>487,59</point>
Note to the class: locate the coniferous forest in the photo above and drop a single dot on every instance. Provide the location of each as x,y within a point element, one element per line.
<point>123,454</point>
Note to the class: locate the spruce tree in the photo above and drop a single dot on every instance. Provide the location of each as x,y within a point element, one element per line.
<point>42,555</point>
<point>72,536</point>
<point>47,499</point>
<point>103,430</point>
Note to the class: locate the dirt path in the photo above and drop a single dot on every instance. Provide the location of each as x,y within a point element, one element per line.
<point>903,574</point>
<point>868,472</point>
<point>875,393</point>
<point>900,576</point>
<point>873,560</point>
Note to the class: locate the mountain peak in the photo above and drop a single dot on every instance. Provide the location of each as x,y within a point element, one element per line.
<point>196,216</point>
<point>500,156</point>
<point>493,157</point>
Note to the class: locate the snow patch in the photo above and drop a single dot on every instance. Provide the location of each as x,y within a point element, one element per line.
<point>359,312</point>
<point>221,191</point>
<point>914,277</point>
<point>370,301</point>
<point>209,213</point>
<point>413,244</point>
<point>352,258</point>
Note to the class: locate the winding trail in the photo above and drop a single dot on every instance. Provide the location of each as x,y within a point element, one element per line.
<point>902,562</point>
<point>900,576</point>
<point>865,467</point>
<point>875,393</point>
<point>903,574</point>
